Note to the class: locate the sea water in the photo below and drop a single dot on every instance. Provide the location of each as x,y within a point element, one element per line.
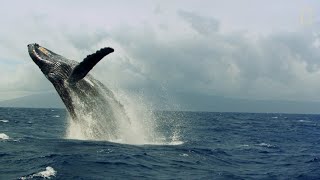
<point>194,145</point>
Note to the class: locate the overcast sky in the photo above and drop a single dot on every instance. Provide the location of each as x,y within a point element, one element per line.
<point>245,49</point>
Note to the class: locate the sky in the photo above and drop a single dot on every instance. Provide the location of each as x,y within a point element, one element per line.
<point>257,50</point>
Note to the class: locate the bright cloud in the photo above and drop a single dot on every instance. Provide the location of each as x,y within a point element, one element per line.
<point>164,49</point>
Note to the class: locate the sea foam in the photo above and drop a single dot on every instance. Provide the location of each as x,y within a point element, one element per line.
<point>47,174</point>
<point>3,136</point>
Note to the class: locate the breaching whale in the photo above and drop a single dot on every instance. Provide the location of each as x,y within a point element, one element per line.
<point>91,105</point>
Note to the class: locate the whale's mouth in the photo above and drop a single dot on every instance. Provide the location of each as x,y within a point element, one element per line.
<point>36,52</point>
<point>40,55</point>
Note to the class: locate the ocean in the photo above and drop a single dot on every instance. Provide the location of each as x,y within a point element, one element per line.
<point>195,145</point>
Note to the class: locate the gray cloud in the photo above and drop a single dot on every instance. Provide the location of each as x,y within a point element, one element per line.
<point>203,25</point>
<point>193,57</point>
<point>278,66</point>
<point>85,39</point>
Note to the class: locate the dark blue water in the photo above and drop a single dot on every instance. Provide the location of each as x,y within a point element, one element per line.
<point>216,146</point>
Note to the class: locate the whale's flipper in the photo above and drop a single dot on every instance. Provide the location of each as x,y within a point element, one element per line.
<point>82,69</point>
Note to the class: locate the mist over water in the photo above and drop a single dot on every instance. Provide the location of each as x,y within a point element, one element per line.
<point>137,125</point>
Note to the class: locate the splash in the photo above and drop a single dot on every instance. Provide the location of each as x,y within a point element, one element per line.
<point>47,174</point>
<point>3,136</point>
<point>129,121</point>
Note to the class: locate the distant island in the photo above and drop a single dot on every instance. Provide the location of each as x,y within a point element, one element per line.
<point>43,100</point>
<point>187,102</point>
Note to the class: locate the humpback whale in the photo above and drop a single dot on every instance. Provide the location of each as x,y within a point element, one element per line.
<point>92,107</point>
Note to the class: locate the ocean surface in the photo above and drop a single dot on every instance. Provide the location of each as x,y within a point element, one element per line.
<point>199,145</point>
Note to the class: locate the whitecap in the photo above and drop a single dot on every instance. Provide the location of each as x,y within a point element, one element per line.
<point>184,155</point>
<point>4,120</point>
<point>244,145</point>
<point>266,145</point>
<point>47,174</point>
<point>302,120</point>
<point>3,136</point>
<point>107,151</point>
<point>172,143</point>
<point>56,116</point>
<point>275,117</point>
<point>175,143</point>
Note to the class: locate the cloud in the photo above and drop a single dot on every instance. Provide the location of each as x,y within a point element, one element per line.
<point>203,25</point>
<point>21,80</point>
<point>279,66</point>
<point>190,56</point>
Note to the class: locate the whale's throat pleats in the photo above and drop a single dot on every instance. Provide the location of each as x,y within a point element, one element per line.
<point>83,68</point>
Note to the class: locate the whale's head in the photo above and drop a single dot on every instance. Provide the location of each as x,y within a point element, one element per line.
<point>54,66</point>
<point>58,68</point>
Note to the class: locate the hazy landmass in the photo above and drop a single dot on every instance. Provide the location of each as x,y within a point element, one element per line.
<point>223,104</point>
<point>43,100</point>
<point>186,102</point>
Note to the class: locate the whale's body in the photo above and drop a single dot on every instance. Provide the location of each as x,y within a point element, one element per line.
<point>91,105</point>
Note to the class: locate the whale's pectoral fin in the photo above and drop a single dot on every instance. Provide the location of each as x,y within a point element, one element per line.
<point>82,69</point>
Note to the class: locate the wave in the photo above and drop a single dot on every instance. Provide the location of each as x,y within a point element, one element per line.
<point>306,121</point>
<point>267,145</point>
<point>46,174</point>
<point>165,143</point>
<point>3,136</point>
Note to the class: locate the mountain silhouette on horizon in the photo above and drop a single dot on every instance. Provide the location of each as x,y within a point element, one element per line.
<point>41,100</point>
<point>187,102</point>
